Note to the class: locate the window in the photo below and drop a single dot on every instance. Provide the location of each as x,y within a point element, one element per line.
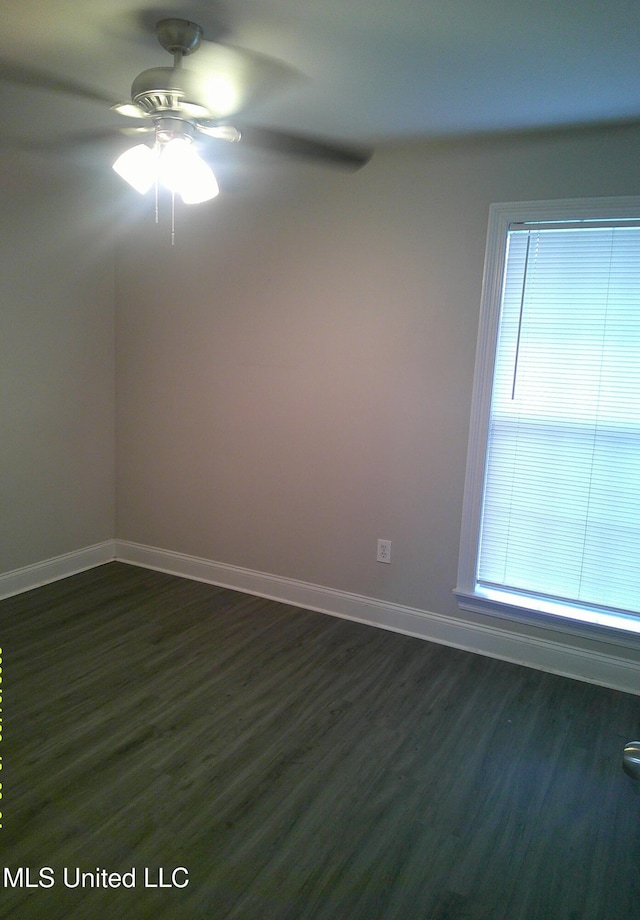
<point>551,521</point>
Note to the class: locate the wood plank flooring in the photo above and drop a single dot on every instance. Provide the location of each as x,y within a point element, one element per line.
<point>300,767</point>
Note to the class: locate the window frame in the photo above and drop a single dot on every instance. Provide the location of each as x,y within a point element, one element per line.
<point>469,598</point>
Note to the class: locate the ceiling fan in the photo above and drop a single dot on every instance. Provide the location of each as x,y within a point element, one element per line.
<point>179,103</point>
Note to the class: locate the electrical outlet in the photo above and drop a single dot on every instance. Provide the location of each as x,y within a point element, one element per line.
<point>384,551</point>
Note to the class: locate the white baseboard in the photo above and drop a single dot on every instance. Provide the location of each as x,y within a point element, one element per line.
<point>609,666</point>
<point>620,671</point>
<point>43,573</point>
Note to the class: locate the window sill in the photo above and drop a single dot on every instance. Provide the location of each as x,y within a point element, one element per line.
<point>606,625</point>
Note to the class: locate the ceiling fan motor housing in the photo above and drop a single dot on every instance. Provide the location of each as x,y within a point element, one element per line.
<point>163,89</point>
<point>171,89</point>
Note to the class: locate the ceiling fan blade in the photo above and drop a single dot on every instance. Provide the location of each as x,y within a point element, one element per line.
<point>219,132</point>
<point>232,79</point>
<point>129,110</point>
<point>306,147</point>
<point>66,143</point>
<point>19,75</point>
<point>137,131</point>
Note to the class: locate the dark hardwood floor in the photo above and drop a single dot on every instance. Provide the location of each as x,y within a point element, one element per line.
<point>298,766</point>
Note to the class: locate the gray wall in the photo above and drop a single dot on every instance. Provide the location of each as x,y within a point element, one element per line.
<point>56,364</point>
<point>294,376</point>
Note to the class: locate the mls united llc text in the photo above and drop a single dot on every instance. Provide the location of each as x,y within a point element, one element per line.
<point>47,877</point>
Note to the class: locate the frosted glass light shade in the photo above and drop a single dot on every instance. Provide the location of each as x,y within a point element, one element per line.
<point>185,173</point>
<point>198,182</point>
<point>137,166</point>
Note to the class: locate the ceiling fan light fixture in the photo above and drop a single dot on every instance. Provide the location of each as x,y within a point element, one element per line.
<point>137,166</point>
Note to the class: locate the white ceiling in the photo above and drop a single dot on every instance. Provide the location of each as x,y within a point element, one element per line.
<point>374,70</point>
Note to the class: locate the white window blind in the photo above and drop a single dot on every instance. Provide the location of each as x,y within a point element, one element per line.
<point>560,509</point>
